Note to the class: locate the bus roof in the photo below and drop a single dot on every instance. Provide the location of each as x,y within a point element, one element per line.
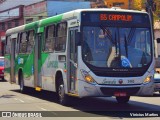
<point>61,17</point>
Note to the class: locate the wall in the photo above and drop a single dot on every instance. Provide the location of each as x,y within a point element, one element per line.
<point>2,35</point>
<point>35,12</point>
<point>14,3</point>
<point>10,16</point>
<point>157,34</point>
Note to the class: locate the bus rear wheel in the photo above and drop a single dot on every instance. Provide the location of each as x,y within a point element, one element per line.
<point>62,97</point>
<point>124,99</point>
<point>22,87</point>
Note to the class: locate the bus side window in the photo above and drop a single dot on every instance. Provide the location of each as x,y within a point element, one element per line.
<point>8,45</point>
<point>49,38</point>
<point>30,41</point>
<point>23,43</point>
<point>61,37</point>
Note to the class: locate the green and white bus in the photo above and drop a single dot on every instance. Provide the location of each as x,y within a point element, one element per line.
<point>84,53</point>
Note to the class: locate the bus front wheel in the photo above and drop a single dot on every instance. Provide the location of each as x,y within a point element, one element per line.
<point>124,99</point>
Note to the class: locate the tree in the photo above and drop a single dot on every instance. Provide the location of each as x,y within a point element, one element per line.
<point>137,4</point>
<point>156,8</point>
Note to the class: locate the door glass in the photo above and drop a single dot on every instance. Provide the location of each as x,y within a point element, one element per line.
<point>73,59</point>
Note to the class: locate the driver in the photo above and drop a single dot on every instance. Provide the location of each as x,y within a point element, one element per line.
<point>101,40</point>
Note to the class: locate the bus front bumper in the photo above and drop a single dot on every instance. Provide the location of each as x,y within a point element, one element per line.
<point>95,90</point>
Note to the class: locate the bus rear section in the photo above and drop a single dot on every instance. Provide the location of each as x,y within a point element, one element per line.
<point>115,57</point>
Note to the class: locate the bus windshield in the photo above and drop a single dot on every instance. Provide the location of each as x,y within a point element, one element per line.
<point>116,47</point>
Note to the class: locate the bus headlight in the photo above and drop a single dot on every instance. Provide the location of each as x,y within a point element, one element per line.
<point>147,80</point>
<point>88,78</point>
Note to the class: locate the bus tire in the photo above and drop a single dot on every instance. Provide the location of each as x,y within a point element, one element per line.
<point>22,87</point>
<point>62,97</point>
<point>124,99</point>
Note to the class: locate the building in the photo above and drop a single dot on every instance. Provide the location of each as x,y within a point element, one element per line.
<point>98,4</point>
<point>11,15</point>
<point>157,29</point>
<point>157,35</point>
<point>118,3</point>
<point>49,8</point>
<point>10,18</point>
<point>125,4</point>
<point>7,4</point>
<point>35,12</point>
<point>17,12</point>
<point>2,37</point>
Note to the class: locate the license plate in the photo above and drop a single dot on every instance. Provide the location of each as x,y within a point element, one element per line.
<point>120,94</point>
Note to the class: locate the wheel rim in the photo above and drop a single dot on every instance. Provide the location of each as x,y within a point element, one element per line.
<point>61,93</point>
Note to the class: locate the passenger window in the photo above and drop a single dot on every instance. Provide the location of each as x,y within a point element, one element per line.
<point>61,37</point>
<point>49,38</point>
<point>30,41</point>
<point>23,43</point>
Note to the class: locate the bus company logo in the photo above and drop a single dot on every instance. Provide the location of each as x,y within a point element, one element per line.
<point>120,81</point>
<point>105,81</point>
<point>20,61</point>
<point>6,114</point>
<point>21,114</point>
<point>120,70</point>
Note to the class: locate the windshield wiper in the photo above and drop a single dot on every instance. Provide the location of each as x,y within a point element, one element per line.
<point>119,43</point>
<point>116,43</point>
<point>126,45</point>
<point>109,35</point>
<point>131,33</point>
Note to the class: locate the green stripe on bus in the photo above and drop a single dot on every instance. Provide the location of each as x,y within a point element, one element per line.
<point>31,25</point>
<point>51,20</point>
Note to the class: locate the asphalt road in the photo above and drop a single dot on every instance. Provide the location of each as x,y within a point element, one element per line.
<point>95,108</point>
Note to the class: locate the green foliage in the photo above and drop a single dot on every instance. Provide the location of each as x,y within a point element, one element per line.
<point>137,5</point>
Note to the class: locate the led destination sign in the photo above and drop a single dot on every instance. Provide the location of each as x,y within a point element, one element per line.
<point>116,17</point>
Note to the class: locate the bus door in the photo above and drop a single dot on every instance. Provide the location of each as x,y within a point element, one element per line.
<point>72,61</point>
<point>13,51</point>
<point>37,62</point>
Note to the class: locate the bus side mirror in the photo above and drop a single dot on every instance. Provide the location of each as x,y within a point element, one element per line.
<point>78,38</point>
